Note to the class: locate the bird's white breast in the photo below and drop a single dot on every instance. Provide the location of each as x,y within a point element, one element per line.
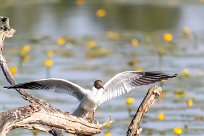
<point>92,100</point>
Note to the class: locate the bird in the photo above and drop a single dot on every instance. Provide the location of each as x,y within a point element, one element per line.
<point>119,84</point>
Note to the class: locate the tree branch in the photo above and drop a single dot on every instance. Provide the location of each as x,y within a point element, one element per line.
<point>34,116</point>
<point>42,116</point>
<point>151,96</point>
<point>7,32</point>
<point>39,114</point>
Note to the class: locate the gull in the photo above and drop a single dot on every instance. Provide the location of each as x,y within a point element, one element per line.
<point>120,84</point>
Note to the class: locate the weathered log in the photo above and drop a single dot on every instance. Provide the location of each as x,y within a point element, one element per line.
<point>42,116</point>
<point>151,96</point>
<point>39,114</point>
<point>34,116</point>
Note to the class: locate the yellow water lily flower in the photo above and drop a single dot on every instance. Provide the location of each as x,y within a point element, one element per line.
<point>91,44</point>
<point>135,42</point>
<point>26,48</point>
<point>186,31</point>
<point>107,134</point>
<point>178,131</point>
<point>161,116</point>
<point>185,73</point>
<point>139,69</point>
<point>13,70</point>
<point>101,13</point>
<point>129,100</point>
<point>168,37</point>
<point>189,102</point>
<point>61,41</point>
<point>48,63</point>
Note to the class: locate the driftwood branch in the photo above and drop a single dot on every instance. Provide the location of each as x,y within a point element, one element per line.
<point>151,96</point>
<point>39,114</point>
<point>34,116</point>
<point>42,116</point>
<point>7,32</point>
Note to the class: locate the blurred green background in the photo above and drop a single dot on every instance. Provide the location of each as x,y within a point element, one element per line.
<point>85,40</point>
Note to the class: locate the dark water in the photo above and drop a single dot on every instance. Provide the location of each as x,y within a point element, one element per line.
<point>41,24</point>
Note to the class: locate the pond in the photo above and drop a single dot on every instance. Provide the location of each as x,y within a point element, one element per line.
<point>89,40</point>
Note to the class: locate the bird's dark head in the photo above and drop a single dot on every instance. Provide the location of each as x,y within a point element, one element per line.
<point>3,19</point>
<point>98,84</point>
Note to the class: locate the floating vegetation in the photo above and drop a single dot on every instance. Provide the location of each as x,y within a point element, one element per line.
<point>80,2</point>
<point>64,52</point>
<point>35,132</point>
<point>113,35</point>
<point>97,52</point>
<point>135,42</point>
<point>133,63</point>
<point>186,31</point>
<point>180,93</point>
<point>49,53</point>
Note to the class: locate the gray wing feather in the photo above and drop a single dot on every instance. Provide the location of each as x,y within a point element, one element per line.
<point>126,81</point>
<point>55,85</point>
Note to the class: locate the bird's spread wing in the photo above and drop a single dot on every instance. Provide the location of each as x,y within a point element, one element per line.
<point>126,81</point>
<point>55,85</point>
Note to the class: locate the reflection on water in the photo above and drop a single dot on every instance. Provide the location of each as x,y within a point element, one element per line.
<point>113,53</point>
<point>67,18</point>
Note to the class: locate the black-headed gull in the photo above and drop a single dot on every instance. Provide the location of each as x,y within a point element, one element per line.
<point>90,99</point>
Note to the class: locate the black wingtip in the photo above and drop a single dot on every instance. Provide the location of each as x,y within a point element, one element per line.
<point>7,87</point>
<point>172,75</point>
<point>161,74</point>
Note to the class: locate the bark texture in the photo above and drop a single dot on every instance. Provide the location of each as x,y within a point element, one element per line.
<point>39,114</point>
<point>151,96</point>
